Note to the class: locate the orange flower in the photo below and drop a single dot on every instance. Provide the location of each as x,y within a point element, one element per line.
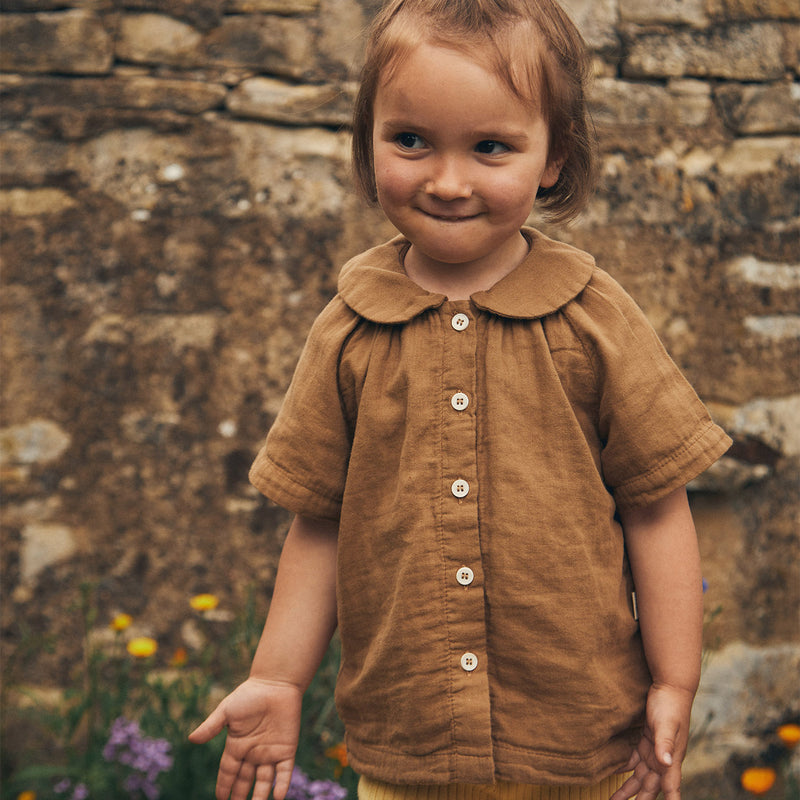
<point>204,602</point>
<point>338,753</point>
<point>758,780</point>
<point>142,647</point>
<point>121,622</point>
<point>26,795</point>
<point>789,735</point>
<point>179,657</point>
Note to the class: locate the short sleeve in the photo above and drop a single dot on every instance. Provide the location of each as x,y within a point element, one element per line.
<point>303,463</point>
<point>656,433</point>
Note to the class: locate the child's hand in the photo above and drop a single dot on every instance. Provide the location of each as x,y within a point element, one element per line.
<point>656,761</point>
<point>263,721</point>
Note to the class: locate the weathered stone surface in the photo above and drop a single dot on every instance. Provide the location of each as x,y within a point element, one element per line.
<point>642,117</point>
<point>276,45</point>
<point>597,22</point>
<point>158,39</point>
<point>36,442</point>
<point>676,12</point>
<point>757,9</point>
<point>277,101</point>
<point>23,98</point>
<point>44,544</point>
<point>740,689</point>
<point>33,202</point>
<point>271,6</point>
<point>754,110</point>
<point>69,42</point>
<point>736,52</point>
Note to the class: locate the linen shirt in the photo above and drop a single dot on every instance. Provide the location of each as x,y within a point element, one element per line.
<point>475,454</point>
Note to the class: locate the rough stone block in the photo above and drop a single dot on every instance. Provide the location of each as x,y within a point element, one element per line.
<point>44,544</point>
<point>752,110</point>
<point>596,20</point>
<point>271,6</point>
<point>39,441</point>
<point>627,103</point>
<point>674,12</point>
<point>744,691</point>
<point>270,99</point>
<point>746,52</point>
<point>278,45</point>
<point>757,9</point>
<point>158,39</point>
<point>71,42</point>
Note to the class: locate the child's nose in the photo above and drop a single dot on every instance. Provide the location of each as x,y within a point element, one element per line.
<point>449,180</point>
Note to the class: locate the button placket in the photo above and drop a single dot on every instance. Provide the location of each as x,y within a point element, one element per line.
<point>460,534</point>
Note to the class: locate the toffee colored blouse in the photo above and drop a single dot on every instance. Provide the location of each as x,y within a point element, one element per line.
<point>475,453</point>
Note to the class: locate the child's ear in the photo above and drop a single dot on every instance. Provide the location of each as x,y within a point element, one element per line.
<point>551,172</point>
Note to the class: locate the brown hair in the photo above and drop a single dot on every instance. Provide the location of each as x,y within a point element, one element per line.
<point>532,45</point>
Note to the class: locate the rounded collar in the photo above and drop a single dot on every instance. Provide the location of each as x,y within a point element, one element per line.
<point>375,286</point>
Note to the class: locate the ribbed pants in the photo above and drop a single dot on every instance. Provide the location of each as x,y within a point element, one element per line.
<point>374,790</point>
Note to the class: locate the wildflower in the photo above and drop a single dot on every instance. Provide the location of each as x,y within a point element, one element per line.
<point>63,786</point>
<point>142,647</point>
<point>121,622</point>
<point>26,795</point>
<point>338,753</point>
<point>146,757</point>
<point>81,792</point>
<point>204,602</point>
<point>302,788</point>
<point>789,735</point>
<point>179,657</point>
<point>758,780</point>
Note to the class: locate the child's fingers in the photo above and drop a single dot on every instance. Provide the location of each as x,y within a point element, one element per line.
<point>209,728</point>
<point>283,777</point>
<point>665,742</point>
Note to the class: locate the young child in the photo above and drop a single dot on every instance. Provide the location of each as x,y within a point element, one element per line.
<point>486,447</point>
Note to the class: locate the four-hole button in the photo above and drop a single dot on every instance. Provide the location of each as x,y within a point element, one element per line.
<point>465,576</point>
<point>459,401</point>
<point>460,322</point>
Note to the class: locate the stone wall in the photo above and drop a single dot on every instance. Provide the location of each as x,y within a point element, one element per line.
<point>175,207</point>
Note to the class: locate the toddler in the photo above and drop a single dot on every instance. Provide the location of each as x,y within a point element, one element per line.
<point>486,447</point>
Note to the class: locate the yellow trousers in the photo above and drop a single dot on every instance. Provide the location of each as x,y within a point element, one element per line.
<point>374,790</point>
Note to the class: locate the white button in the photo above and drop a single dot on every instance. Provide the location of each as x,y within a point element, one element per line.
<point>469,662</point>
<point>465,576</point>
<point>460,488</point>
<point>459,401</point>
<point>460,322</point>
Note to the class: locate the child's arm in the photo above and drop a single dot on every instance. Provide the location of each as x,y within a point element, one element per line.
<point>664,557</point>
<point>263,714</point>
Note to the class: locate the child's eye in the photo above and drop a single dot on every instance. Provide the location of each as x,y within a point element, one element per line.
<point>490,147</point>
<point>410,141</point>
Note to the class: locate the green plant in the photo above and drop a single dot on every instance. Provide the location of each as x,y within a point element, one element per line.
<point>119,731</point>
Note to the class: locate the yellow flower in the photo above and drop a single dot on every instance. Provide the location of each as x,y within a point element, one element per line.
<point>26,795</point>
<point>204,602</point>
<point>789,735</point>
<point>758,780</point>
<point>142,647</point>
<point>121,622</point>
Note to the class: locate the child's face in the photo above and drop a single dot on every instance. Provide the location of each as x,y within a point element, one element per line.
<point>458,157</point>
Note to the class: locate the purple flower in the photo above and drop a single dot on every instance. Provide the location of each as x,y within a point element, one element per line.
<point>145,756</point>
<point>303,788</point>
<point>63,786</point>
<point>81,792</point>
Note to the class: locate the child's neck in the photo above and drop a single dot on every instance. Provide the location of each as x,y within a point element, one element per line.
<point>460,281</point>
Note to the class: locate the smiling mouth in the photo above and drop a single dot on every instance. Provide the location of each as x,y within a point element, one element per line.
<point>451,217</point>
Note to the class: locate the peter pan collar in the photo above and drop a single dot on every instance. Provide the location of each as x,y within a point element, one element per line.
<point>375,286</point>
